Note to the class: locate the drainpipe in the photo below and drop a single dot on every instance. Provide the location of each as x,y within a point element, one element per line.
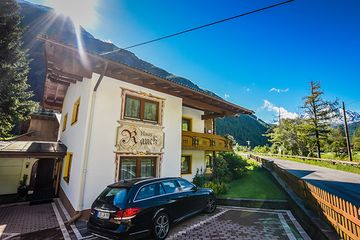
<point>86,148</point>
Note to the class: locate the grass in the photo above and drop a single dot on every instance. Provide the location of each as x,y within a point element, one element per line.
<point>256,184</point>
<point>342,167</point>
<point>331,155</point>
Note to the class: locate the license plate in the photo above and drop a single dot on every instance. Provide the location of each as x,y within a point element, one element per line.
<point>103,215</point>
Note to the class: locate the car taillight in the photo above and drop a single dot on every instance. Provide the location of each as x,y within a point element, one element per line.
<point>126,213</point>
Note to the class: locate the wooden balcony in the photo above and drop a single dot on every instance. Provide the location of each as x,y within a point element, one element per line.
<point>204,141</point>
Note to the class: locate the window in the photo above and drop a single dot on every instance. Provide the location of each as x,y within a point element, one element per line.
<point>132,107</point>
<point>115,196</point>
<point>185,164</point>
<point>64,122</point>
<point>209,161</point>
<point>185,185</point>
<point>141,109</point>
<point>68,160</point>
<point>149,191</point>
<point>171,186</point>
<point>186,124</point>
<point>150,111</point>
<point>75,112</point>
<point>135,167</point>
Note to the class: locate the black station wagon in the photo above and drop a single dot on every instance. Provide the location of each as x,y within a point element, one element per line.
<point>143,207</point>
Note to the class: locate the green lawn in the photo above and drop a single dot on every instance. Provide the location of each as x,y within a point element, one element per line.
<point>342,167</point>
<point>331,155</point>
<point>256,184</point>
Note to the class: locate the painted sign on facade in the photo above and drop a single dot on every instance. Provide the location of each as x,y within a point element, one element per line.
<point>139,138</point>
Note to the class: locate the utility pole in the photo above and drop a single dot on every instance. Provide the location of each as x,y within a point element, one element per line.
<point>346,132</point>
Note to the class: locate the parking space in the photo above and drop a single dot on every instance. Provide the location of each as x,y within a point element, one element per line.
<point>233,223</point>
<point>240,223</point>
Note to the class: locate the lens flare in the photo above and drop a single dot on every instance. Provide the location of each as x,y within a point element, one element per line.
<point>82,14</point>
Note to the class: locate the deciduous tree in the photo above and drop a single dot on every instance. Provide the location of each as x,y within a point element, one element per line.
<point>356,140</point>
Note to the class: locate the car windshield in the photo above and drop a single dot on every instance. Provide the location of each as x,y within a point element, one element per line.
<point>114,196</point>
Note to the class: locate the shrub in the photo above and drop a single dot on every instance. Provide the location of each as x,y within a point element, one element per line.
<point>218,187</point>
<point>262,149</point>
<point>237,166</point>
<point>240,148</point>
<point>220,171</point>
<point>199,178</point>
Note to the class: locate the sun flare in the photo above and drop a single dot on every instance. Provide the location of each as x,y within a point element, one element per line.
<point>83,13</point>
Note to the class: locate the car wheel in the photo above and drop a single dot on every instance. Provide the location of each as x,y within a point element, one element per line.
<point>210,205</point>
<point>161,226</point>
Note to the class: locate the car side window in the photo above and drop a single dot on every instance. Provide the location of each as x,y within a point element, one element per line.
<point>171,186</point>
<point>185,185</point>
<point>151,190</point>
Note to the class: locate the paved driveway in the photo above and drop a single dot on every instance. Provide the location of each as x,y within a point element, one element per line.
<point>230,223</point>
<point>21,219</point>
<point>226,223</point>
<point>343,184</point>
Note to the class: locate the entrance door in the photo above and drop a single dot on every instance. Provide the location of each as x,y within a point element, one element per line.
<point>44,179</point>
<point>136,167</point>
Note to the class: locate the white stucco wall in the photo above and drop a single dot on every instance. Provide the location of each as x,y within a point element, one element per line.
<point>74,136</point>
<point>197,162</point>
<point>195,116</point>
<point>107,111</point>
<point>101,167</point>
<point>197,156</point>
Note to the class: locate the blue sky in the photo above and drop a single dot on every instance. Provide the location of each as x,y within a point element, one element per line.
<point>242,60</point>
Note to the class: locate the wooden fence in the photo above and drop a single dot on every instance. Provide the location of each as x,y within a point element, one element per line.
<point>341,214</point>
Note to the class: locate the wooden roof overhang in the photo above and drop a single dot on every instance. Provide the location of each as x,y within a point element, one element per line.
<point>65,65</point>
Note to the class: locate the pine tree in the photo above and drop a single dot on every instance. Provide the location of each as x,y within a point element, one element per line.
<point>15,103</point>
<point>319,114</point>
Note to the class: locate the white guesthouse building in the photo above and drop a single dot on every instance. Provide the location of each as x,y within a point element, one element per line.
<point>120,122</point>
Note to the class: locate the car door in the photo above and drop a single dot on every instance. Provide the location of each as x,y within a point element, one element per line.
<point>177,200</point>
<point>194,197</point>
<point>149,199</point>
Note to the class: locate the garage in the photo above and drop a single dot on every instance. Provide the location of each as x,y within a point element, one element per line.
<point>36,163</point>
<point>10,175</point>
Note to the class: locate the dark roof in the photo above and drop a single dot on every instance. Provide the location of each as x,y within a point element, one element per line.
<point>64,66</point>
<point>134,181</point>
<point>36,149</point>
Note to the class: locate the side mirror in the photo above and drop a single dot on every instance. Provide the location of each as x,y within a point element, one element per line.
<point>195,188</point>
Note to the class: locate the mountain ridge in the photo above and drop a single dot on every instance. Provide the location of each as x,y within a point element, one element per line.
<point>42,20</point>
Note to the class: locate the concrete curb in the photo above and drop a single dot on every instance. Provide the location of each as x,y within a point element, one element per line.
<point>254,203</point>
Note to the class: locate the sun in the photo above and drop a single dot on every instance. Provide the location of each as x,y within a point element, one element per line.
<point>81,12</point>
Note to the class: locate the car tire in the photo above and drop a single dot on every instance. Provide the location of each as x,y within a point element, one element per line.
<point>161,226</point>
<point>210,205</point>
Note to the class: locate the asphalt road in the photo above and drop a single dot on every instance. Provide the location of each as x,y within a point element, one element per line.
<point>343,184</point>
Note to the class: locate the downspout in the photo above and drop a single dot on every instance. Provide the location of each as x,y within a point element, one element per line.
<point>86,148</point>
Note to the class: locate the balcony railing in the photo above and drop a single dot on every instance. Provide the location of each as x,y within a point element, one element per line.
<point>204,141</point>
